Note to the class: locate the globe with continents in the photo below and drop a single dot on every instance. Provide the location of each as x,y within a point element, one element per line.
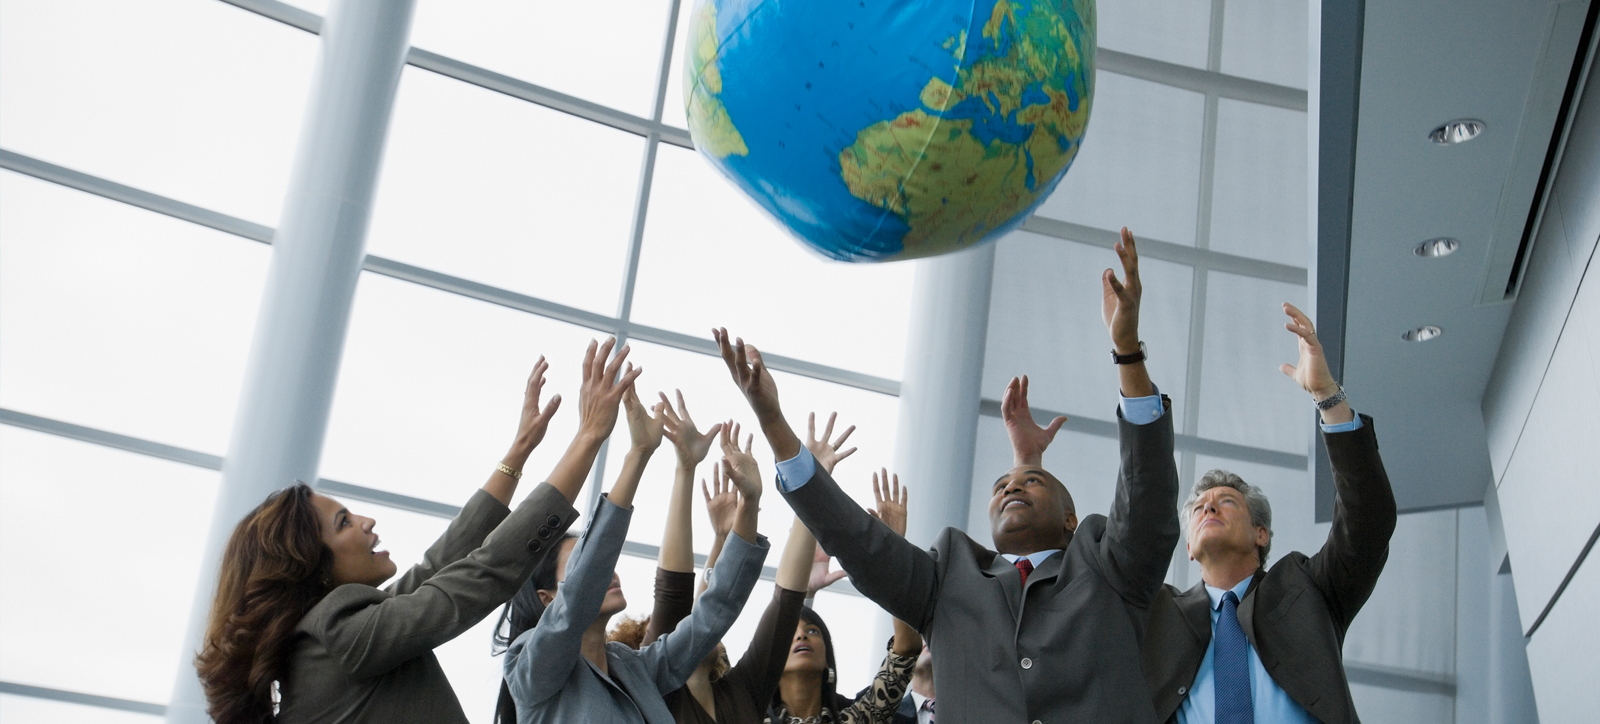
<point>877,130</point>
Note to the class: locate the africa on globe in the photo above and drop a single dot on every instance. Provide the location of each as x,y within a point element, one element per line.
<point>878,130</point>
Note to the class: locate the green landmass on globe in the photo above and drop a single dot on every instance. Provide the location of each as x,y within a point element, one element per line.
<point>949,148</point>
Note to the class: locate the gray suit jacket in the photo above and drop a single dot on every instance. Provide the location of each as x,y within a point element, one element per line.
<point>366,655</point>
<point>553,683</point>
<point>1297,613</point>
<point>1066,649</point>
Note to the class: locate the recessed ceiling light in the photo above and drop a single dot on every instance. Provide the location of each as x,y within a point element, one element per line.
<point>1456,131</point>
<point>1442,246</point>
<point>1422,334</point>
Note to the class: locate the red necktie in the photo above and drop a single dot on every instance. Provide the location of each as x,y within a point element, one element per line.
<point>1024,566</point>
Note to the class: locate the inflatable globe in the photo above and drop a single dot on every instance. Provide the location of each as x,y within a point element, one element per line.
<point>877,130</point>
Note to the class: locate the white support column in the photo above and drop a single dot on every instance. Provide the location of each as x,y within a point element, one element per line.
<point>940,391</point>
<point>305,308</point>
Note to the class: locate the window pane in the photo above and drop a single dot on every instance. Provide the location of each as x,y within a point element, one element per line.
<point>1266,40</point>
<point>1259,194</point>
<point>122,319</point>
<point>673,112</point>
<point>1243,397</point>
<point>712,397</point>
<point>79,521</point>
<point>1175,32</point>
<point>132,92</point>
<point>430,391</point>
<point>712,258</point>
<point>1044,321</point>
<point>610,58</point>
<point>481,185</point>
<point>1140,163</point>
<point>28,710</point>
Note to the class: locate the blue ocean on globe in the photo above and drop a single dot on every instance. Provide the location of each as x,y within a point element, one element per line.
<point>877,130</point>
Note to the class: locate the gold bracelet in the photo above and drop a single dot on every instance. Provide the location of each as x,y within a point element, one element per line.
<point>504,468</point>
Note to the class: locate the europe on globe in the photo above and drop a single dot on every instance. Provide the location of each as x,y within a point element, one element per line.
<point>878,130</point>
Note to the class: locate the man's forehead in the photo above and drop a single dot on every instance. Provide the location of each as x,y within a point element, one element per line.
<point>1221,491</point>
<point>1022,472</point>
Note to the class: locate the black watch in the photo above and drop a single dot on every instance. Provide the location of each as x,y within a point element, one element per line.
<point>1128,359</point>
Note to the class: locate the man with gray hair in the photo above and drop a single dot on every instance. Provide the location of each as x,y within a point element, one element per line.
<point>1256,645</point>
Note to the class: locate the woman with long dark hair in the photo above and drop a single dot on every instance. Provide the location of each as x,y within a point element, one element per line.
<point>808,692</point>
<point>299,630</point>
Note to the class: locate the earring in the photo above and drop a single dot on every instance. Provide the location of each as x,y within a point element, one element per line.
<point>830,675</point>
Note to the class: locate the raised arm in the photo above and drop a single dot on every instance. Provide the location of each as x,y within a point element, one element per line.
<point>1142,528</point>
<point>483,512</point>
<point>530,431</point>
<point>895,574</point>
<point>1028,440</point>
<point>677,543</point>
<point>644,430</point>
<point>674,594</point>
<point>722,507</point>
<point>891,499</point>
<point>598,397</point>
<point>1364,513</point>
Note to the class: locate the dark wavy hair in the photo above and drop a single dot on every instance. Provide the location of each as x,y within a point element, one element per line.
<point>273,572</point>
<point>830,689</point>
<point>521,613</point>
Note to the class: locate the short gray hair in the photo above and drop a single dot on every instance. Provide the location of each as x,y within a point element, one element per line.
<point>1254,499</point>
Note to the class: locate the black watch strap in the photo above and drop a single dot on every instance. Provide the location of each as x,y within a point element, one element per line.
<point>1128,359</point>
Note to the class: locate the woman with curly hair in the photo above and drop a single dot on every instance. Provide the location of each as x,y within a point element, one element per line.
<point>300,630</point>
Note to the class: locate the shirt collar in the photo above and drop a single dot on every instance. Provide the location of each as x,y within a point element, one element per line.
<point>1238,592</point>
<point>1034,558</point>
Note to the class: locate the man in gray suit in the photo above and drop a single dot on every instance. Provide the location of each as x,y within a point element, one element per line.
<point>1255,645</point>
<point>1047,628</point>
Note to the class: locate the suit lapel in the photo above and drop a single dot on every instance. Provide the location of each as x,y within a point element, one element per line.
<point>1247,610</point>
<point>1196,607</point>
<point>1010,582</point>
<point>1049,570</point>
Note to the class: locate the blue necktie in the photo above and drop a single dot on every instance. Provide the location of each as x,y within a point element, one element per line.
<point>1232,667</point>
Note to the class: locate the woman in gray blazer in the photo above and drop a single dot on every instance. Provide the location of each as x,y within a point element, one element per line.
<point>299,621</point>
<point>562,669</point>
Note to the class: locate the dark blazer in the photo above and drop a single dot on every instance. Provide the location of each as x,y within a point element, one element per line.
<point>1295,614</point>
<point>1066,649</point>
<point>364,654</point>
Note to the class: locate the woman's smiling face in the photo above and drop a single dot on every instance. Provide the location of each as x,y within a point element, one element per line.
<point>356,558</point>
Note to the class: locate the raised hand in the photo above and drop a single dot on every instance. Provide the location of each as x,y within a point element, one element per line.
<point>644,428</point>
<point>722,501</point>
<point>822,573</point>
<point>534,422</point>
<point>891,501</point>
<point>691,445</point>
<point>739,465</point>
<point>1028,440</point>
<point>827,453</point>
<point>1119,304</point>
<point>751,375</point>
<point>602,389</point>
<point>1311,373</point>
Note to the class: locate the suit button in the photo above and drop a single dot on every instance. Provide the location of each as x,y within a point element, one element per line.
<point>1036,721</point>
<point>544,531</point>
<point>534,546</point>
<point>552,521</point>
<point>1027,663</point>
<point>1183,690</point>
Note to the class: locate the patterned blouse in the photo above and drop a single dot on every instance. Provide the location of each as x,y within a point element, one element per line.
<point>877,703</point>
